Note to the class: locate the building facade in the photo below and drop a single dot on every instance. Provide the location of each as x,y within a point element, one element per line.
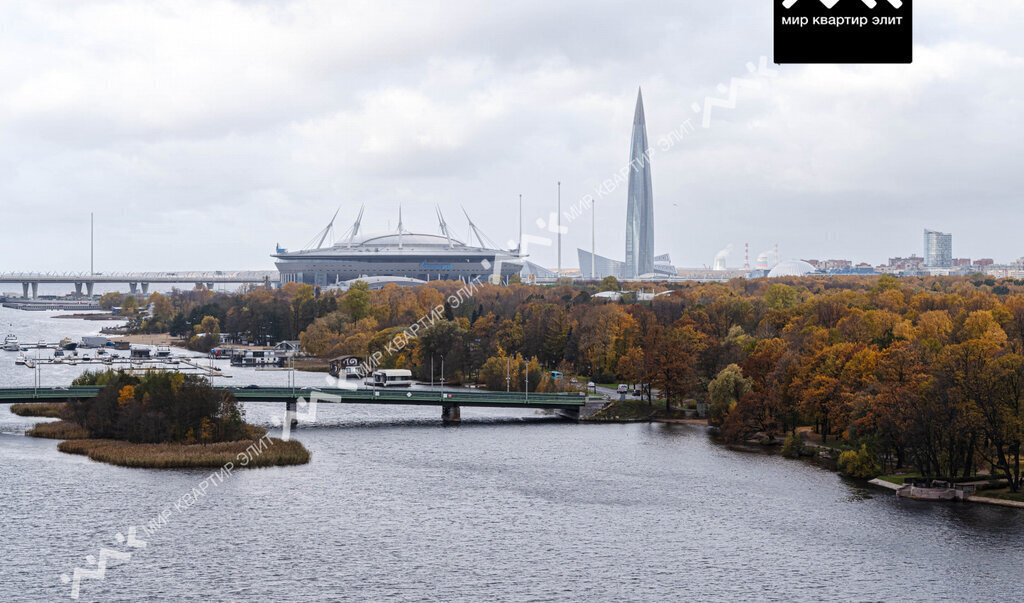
<point>938,249</point>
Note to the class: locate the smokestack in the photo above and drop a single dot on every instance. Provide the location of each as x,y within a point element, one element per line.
<point>721,257</point>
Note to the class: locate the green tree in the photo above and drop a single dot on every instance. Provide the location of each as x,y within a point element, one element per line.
<point>130,305</point>
<point>780,297</point>
<point>111,300</point>
<point>609,283</point>
<point>162,310</point>
<point>725,391</point>
<point>860,464</point>
<point>357,301</point>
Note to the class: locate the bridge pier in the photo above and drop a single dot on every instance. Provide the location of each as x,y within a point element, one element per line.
<point>88,288</point>
<point>133,287</point>
<point>35,290</point>
<point>291,407</point>
<point>209,286</point>
<point>573,414</point>
<point>145,288</point>
<point>451,414</point>
<point>24,290</point>
<point>78,289</point>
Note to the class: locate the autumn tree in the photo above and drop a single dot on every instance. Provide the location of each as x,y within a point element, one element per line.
<point>725,391</point>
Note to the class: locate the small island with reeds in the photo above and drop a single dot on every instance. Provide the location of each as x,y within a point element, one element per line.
<point>162,420</point>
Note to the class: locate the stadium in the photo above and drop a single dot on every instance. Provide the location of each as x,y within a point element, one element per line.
<point>401,253</point>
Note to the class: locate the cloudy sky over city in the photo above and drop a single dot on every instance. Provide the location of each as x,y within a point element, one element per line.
<point>201,134</point>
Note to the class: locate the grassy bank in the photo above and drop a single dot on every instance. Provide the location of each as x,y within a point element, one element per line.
<point>636,410</point>
<point>170,456</point>
<point>314,365</point>
<point>899,479</point>
<point>58,430</point>
<point>1003,495</point>
<point>176,456</point>
<point>50,410</point>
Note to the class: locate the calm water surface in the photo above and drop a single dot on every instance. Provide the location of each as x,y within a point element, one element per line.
<point>507,506</point>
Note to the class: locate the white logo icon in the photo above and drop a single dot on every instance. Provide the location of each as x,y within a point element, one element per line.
<point>830,3</point>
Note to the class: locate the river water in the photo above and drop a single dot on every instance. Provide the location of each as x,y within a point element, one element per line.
<point>508,506</point>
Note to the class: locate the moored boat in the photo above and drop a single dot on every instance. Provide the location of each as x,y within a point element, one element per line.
<point>11,343</point>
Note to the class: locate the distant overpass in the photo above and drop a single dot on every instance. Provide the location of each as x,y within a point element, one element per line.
<point>31,280</point>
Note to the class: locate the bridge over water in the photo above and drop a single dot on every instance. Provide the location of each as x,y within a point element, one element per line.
<point>31,280</point>
<point>450,401</point>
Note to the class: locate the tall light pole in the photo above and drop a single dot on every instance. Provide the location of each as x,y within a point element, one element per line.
<point>527,372</point>
<point>442,376</point>
<point>593,237</point>
<point>558,222</point>
<point>520,248</point>
<point>508,375</point>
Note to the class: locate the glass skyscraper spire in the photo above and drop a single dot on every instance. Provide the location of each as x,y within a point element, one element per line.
<point>640,200</point>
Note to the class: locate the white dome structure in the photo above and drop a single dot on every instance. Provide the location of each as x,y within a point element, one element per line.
<point>791,268</point>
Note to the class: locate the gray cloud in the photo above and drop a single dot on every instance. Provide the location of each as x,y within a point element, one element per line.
<point>202,133</point>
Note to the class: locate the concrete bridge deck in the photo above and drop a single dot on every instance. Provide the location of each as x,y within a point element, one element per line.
<point>450,400</point>
<point>31,280</point>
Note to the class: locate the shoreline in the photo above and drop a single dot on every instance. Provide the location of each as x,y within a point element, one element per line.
<point>91,316</point>
<point>273,452</point>
<point>150,339</point>
<point>974,498</point>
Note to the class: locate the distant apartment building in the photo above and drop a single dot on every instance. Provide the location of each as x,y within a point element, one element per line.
<point>1014,270</point>
<point>835,265</point>
<point>938,249</point>
<point>959,262</point>
<point>912,263</point>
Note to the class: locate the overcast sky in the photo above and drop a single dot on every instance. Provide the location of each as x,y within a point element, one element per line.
<point>203,133</point>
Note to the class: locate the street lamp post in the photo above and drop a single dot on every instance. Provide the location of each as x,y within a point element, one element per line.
<point>527,373</point>
<point>442,376</point>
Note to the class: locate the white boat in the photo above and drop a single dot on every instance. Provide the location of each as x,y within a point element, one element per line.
<point>41,344</point>
<point>163,351</point>
<point>390,378</point>
<point>11,343</point>
<point>20,359</point>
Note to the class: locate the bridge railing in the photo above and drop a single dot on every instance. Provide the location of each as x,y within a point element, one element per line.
<point>418,396</point>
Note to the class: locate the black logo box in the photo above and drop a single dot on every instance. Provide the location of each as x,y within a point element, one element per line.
<point>849,32</point>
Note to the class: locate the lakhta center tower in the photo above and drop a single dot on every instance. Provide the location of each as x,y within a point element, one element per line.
<point>639,200</point>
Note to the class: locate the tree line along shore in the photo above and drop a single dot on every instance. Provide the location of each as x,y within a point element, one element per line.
<point>923,374</point>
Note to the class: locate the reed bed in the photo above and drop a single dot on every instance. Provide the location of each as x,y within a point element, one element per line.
<point>177,456</point>
<point>58,430</point>
<point>50,410</point>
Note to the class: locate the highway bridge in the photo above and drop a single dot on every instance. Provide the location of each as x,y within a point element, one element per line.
<point>565,404</point>
<point>31,280</point>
